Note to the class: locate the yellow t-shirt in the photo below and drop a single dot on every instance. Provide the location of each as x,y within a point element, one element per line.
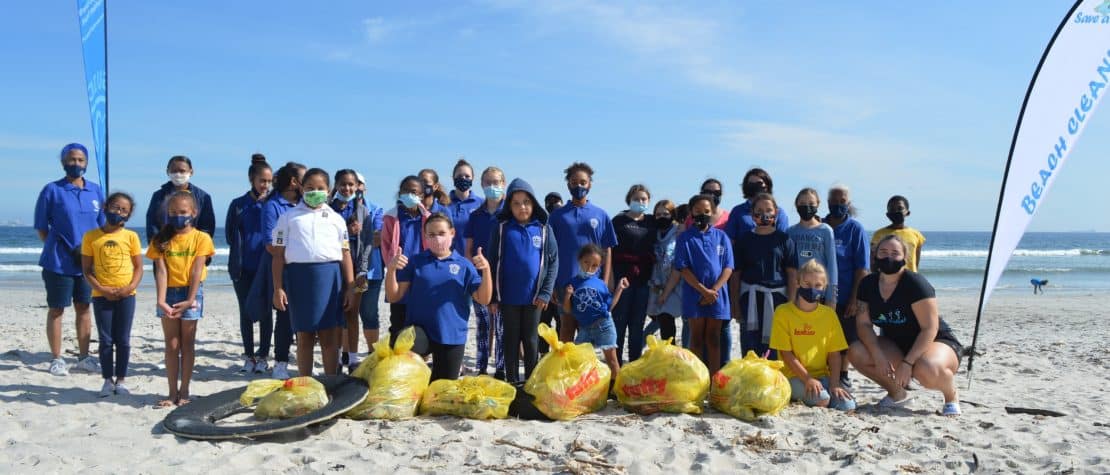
<point>112,253</point>
<point>912,237</point>
<point>182,251</point>
<point>811,336</point>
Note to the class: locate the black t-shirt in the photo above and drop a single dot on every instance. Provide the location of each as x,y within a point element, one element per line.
<point>895,317</point>
<point>635,248</point>
<point>763,258</point>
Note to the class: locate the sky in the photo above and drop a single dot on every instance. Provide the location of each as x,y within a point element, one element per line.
<point>919,100</point>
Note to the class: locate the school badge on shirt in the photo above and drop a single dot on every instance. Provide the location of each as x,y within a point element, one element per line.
<point>536,242</point>
<point>280,238</point>
<point>453,269</point>
<point>720,250</point>
<point>593,223</point>
<point>96,206</point>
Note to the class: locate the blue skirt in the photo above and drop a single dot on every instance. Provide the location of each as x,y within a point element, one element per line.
<point>315,293</point>
<point>260,298</point>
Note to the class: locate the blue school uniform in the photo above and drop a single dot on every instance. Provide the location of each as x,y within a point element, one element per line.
<point>523,246</point>
<point>156,212</point>
<point>707,255</point>
<point>480,224</point>
<point>590,301</point>
<point>65,213</point>
<point>853,252</point>
<point>575,226</point>
<point>443,289</point>
<point>243,231</point>
<point>740,220</point>
<point>459,211</point>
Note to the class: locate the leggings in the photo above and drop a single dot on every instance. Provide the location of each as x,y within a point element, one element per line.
<point>246,326</point>
<point>520,322</point>
<point>397,312</point>
<point>113,327</point>
<point>665,323</point>
<point>485,319</point>
<point>446,359</point>
<point>550,316</point>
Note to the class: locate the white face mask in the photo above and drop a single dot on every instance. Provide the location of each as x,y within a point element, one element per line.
<point>178,179</point>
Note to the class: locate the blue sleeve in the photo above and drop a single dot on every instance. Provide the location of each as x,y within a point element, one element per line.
<point>468,231</point>
<point>791,254</point>
<point>474,279</point>
<point>608,234</point>
<point>376,218</point>
<point>551,266</point>
<point>732,224</point>
<point>207,220</point>
<point>863,248</point>
<point>830,266</point>
<point>152,223</point>
<point>231,224</point>
<point>269,220</point>
<point>493,255</point>
<point>42,209</point>
<point>727,260</point>
<point>782,222</point>
<point>682,255</point>
<point>405,275</point>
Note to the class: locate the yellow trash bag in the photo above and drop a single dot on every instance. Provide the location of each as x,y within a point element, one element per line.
<point>569,380</point>
<point>397,378</point>
<point>472,397</point>
<point>750,387</point>
<point>666,378</point>
<point>292,398</point>
<point>259,389</point>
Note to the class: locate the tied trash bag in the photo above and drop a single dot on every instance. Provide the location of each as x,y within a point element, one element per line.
<point>569,380</point>
<point>665,379</point>
<point>397,378</point>
<point>284,399</point>
<point>750,387</point>
<point>472,397</point>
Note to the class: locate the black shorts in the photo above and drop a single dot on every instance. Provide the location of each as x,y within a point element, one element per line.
<point>951,342</point>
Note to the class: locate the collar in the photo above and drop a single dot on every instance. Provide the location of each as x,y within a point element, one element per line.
<point>169,188</point>
<point>68,185</point>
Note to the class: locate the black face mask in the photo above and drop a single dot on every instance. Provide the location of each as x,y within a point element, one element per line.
<point>806,212</point>
<point>715,194</point>
<point>888,266</point>
<point>663,222</point>
<point>551,207</point>
<point>764,219</point>
<point>701,221</point>
<point>810,294</point>
<point>752,188</point>
<point>896,218</point>
<point>428,190</point>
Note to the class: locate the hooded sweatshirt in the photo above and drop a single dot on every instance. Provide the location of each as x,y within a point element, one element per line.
<point>524,258</point>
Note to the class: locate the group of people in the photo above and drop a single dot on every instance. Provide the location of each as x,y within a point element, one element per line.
<point>310,254</point>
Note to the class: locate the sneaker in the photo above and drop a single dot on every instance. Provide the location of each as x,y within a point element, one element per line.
<point>122,390</point>
<point>58,367</point>
<point>845,381</point>
<point>261,366</point>
<point>248,365</point>
<point>107,389</point>
<point>88,364</point>
<point>281,370</point>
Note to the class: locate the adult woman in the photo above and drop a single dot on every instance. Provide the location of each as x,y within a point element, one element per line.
<point>66,209</point>
<point>852,260</point>
<point>463,202</point>
<point>632,258</point>
<point>755,181</point>
<point>247,244</point>
<point>913,342</point>
<point>179,170</point>
<point>712,187</point>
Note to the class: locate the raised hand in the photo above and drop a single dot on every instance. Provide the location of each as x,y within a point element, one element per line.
<point>479,260</point>
<point>623,284</point>
<point>399,262</point>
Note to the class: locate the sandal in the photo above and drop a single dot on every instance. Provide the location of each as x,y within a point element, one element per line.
<point>951,409</point>
<point>166,403</point>
<point>888,402</point>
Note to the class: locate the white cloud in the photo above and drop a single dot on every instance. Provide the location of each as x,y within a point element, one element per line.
<point>375,29</point>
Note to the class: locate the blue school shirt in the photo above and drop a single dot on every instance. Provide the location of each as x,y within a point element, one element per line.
<point>376,269</point>
<point>575,226</point>
<point>276,206</point>
<point>480,224</point>
<point>459,211</point>
<point>817,244</point>
<point>853,252</point>
<point>346,214</point>
<point>707,255</point>
<point>243,233</point>
<point>410,231</point>
<point>740,220</point>
<point>763,258</point>
<point>442,290</point>
<point>521,254</point>
<point>590,301</point>
<point>66,212</point>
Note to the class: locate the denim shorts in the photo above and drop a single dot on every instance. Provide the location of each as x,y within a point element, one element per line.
<point>179,294</point>
<point>602,334</point>
<point>368,307</point>
<point>63,290</point>
<point>798,393</point>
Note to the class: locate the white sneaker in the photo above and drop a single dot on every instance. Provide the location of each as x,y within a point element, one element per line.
<point>88,364</point>
<point>107,389</point>
<point>248,365</point>
<point>58,367</point>
<point>261,366</point>
<point>281,370</point>
<point>122,390</point>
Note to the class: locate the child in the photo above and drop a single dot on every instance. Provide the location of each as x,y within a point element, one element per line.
<point>523,260</point>
<point>703,256</point>
<point>314,247</point>
<point>463,201</point>
<point>243,231</point>
<point>766,262</point>
<point>478,229</point>
<point>179,252</point>
<point>370,270</point>
<point>897,209</point>
<point>403,235</point>
<point>434,198</point>
<point>444,283</point>
<point>809,340</point>
<point>665,304</point>
<point>345,201</point>
<point>632,258</point>
<point>111,259</point>
<point>587,299</point>
<point>179,170</point>
<point>813,240</point>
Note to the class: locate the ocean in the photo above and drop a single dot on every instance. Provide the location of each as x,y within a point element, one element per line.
<point>952,261</point>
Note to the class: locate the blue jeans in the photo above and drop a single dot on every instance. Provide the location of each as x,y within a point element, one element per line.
<point>601,334</point>
<point>175,295</point>
<point>798,393</point>
<point>113,329</point>
<point>368,307</point>
<point>246,326</point>
<point>628,317</point>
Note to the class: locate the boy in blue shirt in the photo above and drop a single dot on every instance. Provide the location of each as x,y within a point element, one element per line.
<point>588,300</point>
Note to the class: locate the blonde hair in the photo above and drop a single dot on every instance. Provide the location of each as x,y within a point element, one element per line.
<point>813,267</point>
<point>490,170</point>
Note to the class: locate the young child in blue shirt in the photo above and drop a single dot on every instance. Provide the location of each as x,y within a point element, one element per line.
<point>587,298</point>
<point>479,227</point>
<point>703,257</point>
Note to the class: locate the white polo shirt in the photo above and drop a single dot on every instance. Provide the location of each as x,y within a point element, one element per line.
<point>311,235</point>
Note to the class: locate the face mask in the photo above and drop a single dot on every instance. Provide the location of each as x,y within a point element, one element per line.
<point>315,198</point>
<point>578,192</point>
<point>115,219</point>
<point>702,221</point>
<point>637,207</point>
<point>887,265</point>
<point>765,219</point>
<point>493,192</point>
<point>409,200</point>
<point>810,294</point>
<point>752,188</point>
<point>344,198</point>
<point>428,190</point>
<point>74,171</point>
<point>583,274</point>
<point>663,222</point>
<point>896,218</point>
<point>178,179</point>
<point>179,222</point>
<point>552,207</point>
<point>838,211</point>
<point>439,244</point>
<point>715,194</point>
<point>806,212</point>
<point>463,184</point>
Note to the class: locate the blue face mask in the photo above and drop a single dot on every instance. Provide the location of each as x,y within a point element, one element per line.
<point>74,171</point>
<point>638,207</point>
<point>344,198</point>
<point>838,211</point>
<point>179,222</point>
<point>578,192</point>
<point>583,274</point>
<point>493,192</point>
<point>409,200</point>
<point>810,294</point>
<point>114,219</point>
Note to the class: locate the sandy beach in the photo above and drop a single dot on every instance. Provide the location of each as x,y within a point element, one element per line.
<point>1043,352</point>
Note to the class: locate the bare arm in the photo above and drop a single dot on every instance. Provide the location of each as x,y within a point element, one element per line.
<point>136,273</point>
<point>42,235</point>
<point>485,289</point>
<point>795,365</point>
<point>90,277</point>
<point>608,271</point>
